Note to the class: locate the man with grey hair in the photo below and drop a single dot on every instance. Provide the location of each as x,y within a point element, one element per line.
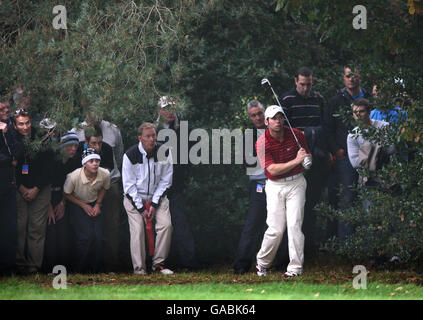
<point>252,232</point>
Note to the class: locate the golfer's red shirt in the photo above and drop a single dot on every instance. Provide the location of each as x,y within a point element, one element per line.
<point>270,151</point>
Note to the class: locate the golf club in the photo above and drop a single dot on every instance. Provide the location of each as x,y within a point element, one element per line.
<point>307,160</point>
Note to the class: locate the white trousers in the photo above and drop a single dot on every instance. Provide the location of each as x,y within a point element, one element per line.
<point>285,209</point>
<point>163,227</point>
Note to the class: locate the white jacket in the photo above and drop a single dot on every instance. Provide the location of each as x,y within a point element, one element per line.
<point>145,178</point>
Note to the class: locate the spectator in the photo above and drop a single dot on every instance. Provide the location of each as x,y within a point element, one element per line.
<point>343,174</point>
<point>182,239</point>
<point>391,114</point>
<point>304,109</point>
<point>282,159</point>
<point>59,234</point>
<point>8,210</point>
<point>112,136</point>
<point>85,189</point>
<point>252,233</point>
<point>146,179</point>
<point>33,182</point>
<point>363,152</point>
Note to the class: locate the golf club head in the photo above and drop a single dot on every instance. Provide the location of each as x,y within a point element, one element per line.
<point>265,81</point>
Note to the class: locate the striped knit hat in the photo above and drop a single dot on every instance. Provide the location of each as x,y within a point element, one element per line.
<point>69,138</point>
<point>89,154</point>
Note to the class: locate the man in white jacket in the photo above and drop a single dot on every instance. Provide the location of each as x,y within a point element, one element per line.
<point>145,179</point>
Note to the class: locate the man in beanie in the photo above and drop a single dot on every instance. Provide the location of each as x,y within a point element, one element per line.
<point>58,244</point>
<point>85,189</point>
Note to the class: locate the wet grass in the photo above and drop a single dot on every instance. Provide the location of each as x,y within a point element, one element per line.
<point>219,283</point>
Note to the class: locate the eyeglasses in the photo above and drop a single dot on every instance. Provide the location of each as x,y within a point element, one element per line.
<point>21,112</point>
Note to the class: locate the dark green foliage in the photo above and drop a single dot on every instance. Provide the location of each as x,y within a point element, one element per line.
<point>121,56</point>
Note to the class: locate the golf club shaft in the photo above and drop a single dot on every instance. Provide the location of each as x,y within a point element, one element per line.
<point>287,120</point>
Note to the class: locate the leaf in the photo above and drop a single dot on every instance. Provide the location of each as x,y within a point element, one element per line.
<point>249,290</point>
<point>399,288</point>
<point>317,294</point>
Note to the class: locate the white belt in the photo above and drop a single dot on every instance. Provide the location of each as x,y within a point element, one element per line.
<point>295,176</point>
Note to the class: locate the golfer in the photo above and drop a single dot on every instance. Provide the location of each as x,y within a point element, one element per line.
<point>282,158</point>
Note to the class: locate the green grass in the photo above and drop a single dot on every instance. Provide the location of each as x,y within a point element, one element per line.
<point>317,283</point>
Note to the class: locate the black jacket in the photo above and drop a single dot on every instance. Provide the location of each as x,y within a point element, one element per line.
<point>59,172</point>
<point>180,171</point>
<point>302,111</point>
<point>10,149</point>
<point>39,167</point>
<point>336,128</point>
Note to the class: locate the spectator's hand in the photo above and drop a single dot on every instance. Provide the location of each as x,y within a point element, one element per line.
<point>88,209</point>
<point>96,210</point>
<point>340,154</point>
<point>3,127</point>
<point>32,193</point>
<point>24,192</point>
<point>59,211</point>
<point>51,217</point>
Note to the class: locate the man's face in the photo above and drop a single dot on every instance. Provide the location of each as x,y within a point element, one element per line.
<point>92,165</point>
<point>4,111</point>
<point>256,115</point>
<point>303,85</point>
<point>276,123</point>
<point>361,113</point>
<point>23,125</point>
<point>351,81</point>
<point>148,139</point>
<point>70,150</point>
<point>168,114</point>
<point>95,143</point>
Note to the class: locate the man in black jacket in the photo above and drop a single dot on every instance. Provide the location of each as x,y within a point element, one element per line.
<point>343,173</point>
<point>33,180</point>
<point>8,210</point>
<point>183,240</point>
<point>304,108</point>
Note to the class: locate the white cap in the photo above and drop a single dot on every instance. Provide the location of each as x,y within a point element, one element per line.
<point>272,111</point>
<point>165,101</point>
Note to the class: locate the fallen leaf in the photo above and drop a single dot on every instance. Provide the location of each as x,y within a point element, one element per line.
<point>262,291</point>
<point>249,290</point>
<point>317,294</point>
<point>399,288</point>
<point>377,287</point>
<point>392,293</point>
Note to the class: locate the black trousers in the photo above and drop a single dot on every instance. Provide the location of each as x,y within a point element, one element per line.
<point>88,239</point>
<point>8,229</point>
<point>254,227</point>
<point>182,238</point>
<point>58,244</point>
